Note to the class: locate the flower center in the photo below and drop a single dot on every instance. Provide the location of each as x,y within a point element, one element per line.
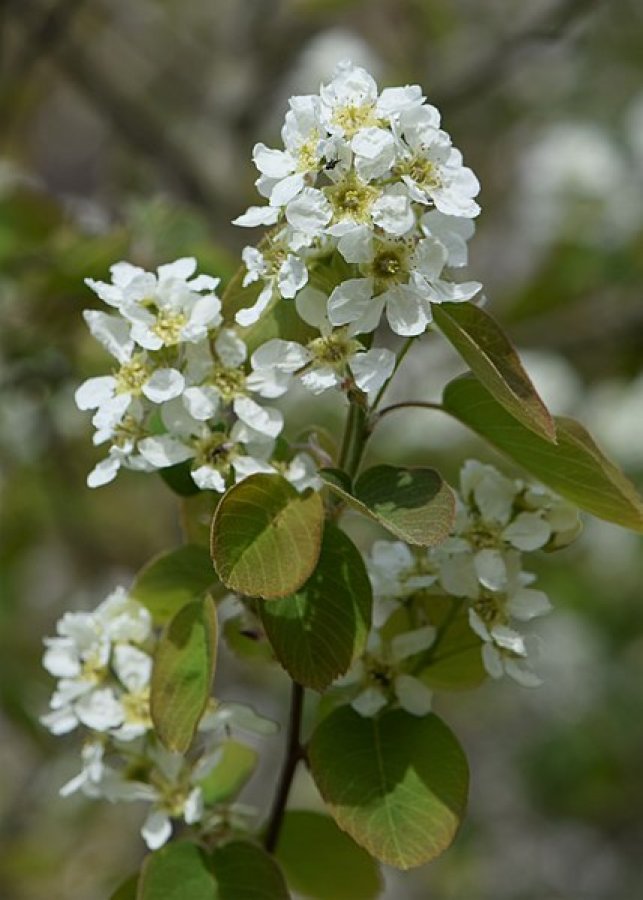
<point>389,266</point>
<point>131,376</point>
<point>216,450</point>
<point>489,610</point>
<point>352,117</point>
<point>137,708</point>
<point>169,326</point>
<point>127,431</point>
<point>422,171</point>
<point>334,350</point>
<point>94,669</point>
<point>230,383</point>
<point>307,156</point>
<point>352,199</point>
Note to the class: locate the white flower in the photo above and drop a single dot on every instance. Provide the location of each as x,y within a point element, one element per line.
<point>284,173</point>
<point>236,716</point>
<point>499,661</point>
<point>396,571</point>
<point>380,678</point>
<point>138,377</point>
<point>360,168</point>
<point>163,309</point>
<point>325,362</point>
<point>80,656</point>
<point>280,271</point>
<point>401,279</point>
<point>453,232</point>
<point>432,169</point>
<point>157,828</point>
<point>92,773</point>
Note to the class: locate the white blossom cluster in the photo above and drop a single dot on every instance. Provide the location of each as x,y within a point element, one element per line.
<point>372,177</point>
<point>180,390</point>
<point>480,565</point>
<point>103,663</point>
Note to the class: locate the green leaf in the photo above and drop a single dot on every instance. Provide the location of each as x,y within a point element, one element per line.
<point>127,890</point>
<point>244,871</point>
<point>322,862</point>
<point>177,872</point>
<point>172,579</point>
<point>415,505</point>
<point>182,674</point>
<point>266,537</point>
<point>396,783</point>
<point>487,350</point>
<point>317,632</point>
<point>575,468</point>
<point>232,771</point>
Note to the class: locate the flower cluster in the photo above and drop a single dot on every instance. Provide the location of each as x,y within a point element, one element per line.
<point>370,176</point>
<point>478,566</point>
<point>181,390</point>
<point>103,662</point>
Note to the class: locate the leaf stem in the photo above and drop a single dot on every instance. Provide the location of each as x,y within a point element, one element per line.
<point>294,753</point>
<point>427,658</point>
<point>408,404</point>
<point>400,356</point>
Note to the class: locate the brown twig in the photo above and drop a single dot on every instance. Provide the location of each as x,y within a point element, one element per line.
<point>294,753</point>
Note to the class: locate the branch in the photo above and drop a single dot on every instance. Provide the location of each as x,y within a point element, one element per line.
<point>294,752</point>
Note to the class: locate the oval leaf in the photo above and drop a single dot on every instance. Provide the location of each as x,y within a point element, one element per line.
<point>322,862</point>
<point>317,632</point>
<point>244,871</point>
<point>182,674</point>
<point>575,467</point>
<point>415,505</point>
<point>397,783</point>
<point>172,579</point>
<point>232,771</point>
<point>176,872</point>
<point>266,537</point>
<point>487,350</point>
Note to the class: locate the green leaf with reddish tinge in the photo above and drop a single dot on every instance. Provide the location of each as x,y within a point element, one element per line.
<point>487,350</point>
<point>243,871</point>
<point>575,467</point>
<point>182,675</point>
<point>324,863</point>
<point>172,579</point>
<point>415,505</point>
<point>266,536</point>
<point>177,872</point>
<point>396,783</point>
<point>318,631</point>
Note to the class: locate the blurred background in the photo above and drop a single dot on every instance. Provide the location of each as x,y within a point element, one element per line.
<point>125,133</point>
